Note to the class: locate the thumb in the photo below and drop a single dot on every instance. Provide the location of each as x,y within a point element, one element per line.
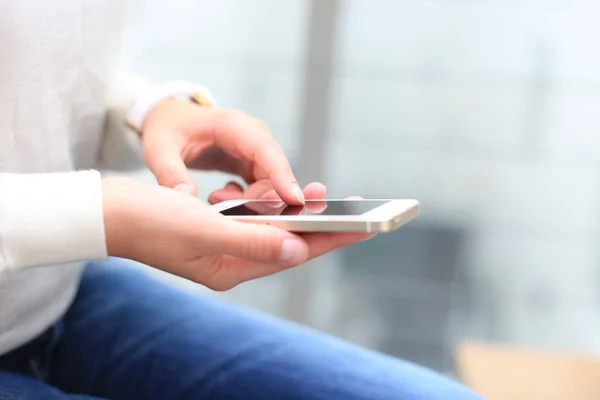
<point>166,163</point>
<point>260,243</point>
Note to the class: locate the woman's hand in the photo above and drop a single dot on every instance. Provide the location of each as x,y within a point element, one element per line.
<point>180,234</point>
<point>177,135</point>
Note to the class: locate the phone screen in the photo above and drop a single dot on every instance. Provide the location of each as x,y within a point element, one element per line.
<point>312,207</point>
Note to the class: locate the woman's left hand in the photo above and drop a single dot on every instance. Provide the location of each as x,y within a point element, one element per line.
<point>177,135</point>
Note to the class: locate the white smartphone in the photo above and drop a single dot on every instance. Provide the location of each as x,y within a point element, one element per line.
<point>348,215</point>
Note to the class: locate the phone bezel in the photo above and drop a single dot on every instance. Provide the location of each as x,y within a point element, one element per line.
<point>384,218</point>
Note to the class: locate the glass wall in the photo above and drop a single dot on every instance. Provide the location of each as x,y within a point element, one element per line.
<point>487,112</point>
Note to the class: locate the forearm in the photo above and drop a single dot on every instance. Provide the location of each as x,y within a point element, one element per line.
<point>48,219</point>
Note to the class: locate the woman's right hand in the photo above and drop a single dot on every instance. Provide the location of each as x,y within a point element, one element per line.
<point>182,235</point>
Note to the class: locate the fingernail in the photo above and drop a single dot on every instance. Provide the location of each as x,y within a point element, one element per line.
<point>298,193</point>
<point>233,186</point>
<point>324,188</point>
<point>293,252</point>
<point>183,188</point>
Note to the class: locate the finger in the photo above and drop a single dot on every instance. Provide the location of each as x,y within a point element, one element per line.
<point>236,132</point>
<point>314,190</point>
<point>231,191</point>
<point>164,159</point>
<point>234,186</point>
<point>224,195</point>
<point>215,159</point>
<point>256,242</point>
<point>232,270</point>
<point>258,189</point>
<point>268,207</point>
<point>270,195</point>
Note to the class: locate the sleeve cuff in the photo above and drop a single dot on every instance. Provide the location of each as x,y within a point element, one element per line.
<point>48,219</point>
<point>177,89</point>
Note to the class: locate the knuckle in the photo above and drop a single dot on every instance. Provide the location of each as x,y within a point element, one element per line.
<point>225,120</point>
<point>168,176</point>
<point>263,125</point>
<point>262,247</point>
<point>234,115</point>
<point>237,116</point>
<point>270,148</point>
<point>220,118</point>
<point>282,169</point>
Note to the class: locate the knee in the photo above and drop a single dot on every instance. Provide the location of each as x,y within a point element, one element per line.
<point>448,390</point>
<point>429,385</point>
<point>407,381</point>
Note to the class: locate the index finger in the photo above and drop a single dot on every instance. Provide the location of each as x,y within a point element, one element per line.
<point>242,135</point>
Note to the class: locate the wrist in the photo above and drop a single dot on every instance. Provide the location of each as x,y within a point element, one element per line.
<point>183,91</point>
<point>117,218</point>
<point>157,113</point>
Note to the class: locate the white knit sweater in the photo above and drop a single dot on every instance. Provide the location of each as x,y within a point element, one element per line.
<point>62,106</point>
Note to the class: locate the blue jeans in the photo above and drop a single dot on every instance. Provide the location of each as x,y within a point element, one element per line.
<point>131,336</point>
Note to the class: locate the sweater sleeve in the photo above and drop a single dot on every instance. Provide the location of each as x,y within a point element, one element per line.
<point>47,219</point>
<point>122,148</point>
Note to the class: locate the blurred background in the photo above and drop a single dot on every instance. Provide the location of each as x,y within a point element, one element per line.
<point>486,111</point>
